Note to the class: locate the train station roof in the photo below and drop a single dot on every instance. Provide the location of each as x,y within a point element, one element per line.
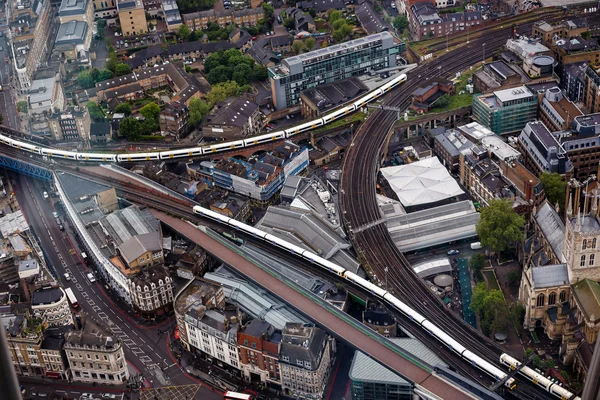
<point>422,182</point>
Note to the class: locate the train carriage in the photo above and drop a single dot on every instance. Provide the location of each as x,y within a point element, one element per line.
<point>182,153</point>
<point>129,157</point>
<point>269,137</point>
<point>215,148</point>
<point>339,113</point>
<point>304,127</point>
<point>100,157</point>
<point>69,155</point>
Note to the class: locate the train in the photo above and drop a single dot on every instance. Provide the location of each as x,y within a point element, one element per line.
<point>382,294</point>
<point>206,149</point>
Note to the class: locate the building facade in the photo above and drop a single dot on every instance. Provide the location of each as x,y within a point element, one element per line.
<point>556,111</point>
<point>201,19</point>
<point>259,352</point>
<point>506,111</point>
<point>70,125</point>
<point>591,91</point>
<point>132,17</point>
<point>25,343</point>
<point>152,291</point>
<point>30,38</point>
<point>51,304</point>
<point>233,118</point>
<point>95,356</point>
<point>76,10</point>
<point>541,152</point>
<point>305,361</point>
<point>582,145</point>
<point>319,67</point>
<point>174,119</point>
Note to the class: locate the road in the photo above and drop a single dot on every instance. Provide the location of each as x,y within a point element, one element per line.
<point>145,349</point>
<point>8,109</point>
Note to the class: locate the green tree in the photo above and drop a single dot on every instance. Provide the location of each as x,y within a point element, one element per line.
<point>312,12</point>
<point>400,23</point>
<point>513,277</point>
<point>85,80</point>
<point>199,109</point>
<point>22,106</point>
<point>95,74</point>
<point>309,43</point>
<point>148,126</point>
<point>517,313</point>
<point>242,74</point>
<point>95,112</point>
<point>130,128</point>
<point>442,101</point>
<point>289,23</point>
<point>477,262</point>
<point>339,35</point>
<point>104,75</point>
<point>554,188</point>
<point>334,15</point>
<point>478,297</point>
<point>186,6</point>
<point>183,32</point>
<point>259,73</point>
<point>339,24</point>
<point>150,111</point>
<point>221,91</point>
<point>124,108</point>
<point>193,37</point>
<point>219,74</point>
<point>269,11</point>
<point>297,46</point>
<point>122,69</point>
<point>586,35</point>
<point>499,225</point>
<point>111,61</point>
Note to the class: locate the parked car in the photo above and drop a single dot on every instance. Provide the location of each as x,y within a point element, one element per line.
<point>45,195</point>
<point>55,214</point>
<point>452,252</point>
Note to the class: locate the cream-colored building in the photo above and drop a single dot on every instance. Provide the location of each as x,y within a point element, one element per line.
<point>24,334</point>
<point>94,355</point>
<point>132,17</point>
<point>100,5</point>
<point>76,10</point>
<point>582,245</point>
<point>52,305</point>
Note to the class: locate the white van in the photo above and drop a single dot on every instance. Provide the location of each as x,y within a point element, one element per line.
<point>91,277</point>
<point>475,246</point>
<point>67,277</point>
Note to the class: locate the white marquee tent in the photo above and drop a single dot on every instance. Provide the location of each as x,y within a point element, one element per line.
<point>422,182</point>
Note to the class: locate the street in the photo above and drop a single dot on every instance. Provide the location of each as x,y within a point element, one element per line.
<point>145,348</point>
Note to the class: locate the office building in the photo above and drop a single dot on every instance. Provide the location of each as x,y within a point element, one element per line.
<point>541,152</point>
<point>258,344</point>
<point>132,17</point>
<point>331,64</point>
<point>556,111</point>
<point>505,111</point>
<point>76,10</point>
<point>52,305</point>
<point>572,80</point>
<point>30,30</point>
<point>72,43</point>
<point>95,356</point>
<point>46,95</point>
<point>70,125</point>
<point>305,360</point>
<point>591,91</point>
<point>582,144</point>
<point>547,32</point>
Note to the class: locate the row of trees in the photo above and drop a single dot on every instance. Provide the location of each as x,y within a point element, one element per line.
<point>113,67</point>
<point>135,129</point>
<point>230,65</point>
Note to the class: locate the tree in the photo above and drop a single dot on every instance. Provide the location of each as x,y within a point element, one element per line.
<point>193,37</point>
<point>219,74</point>
<point>513,277</point>
<point>517,313</point>
<point>242,74</point>
<point>1,119</point>
<point>111,61</point>
<point>297,46</point>
<point>104,75</point>
<point>85,80</point>
<point>150,111</point>
<point>183,32</point>
<point>312,12</point>
<point>334,16</point>
<point>22,106</point>
<point>310,43</point>
<point>499,225</point>
<point>148,126</point>
<point>554,188</point>
<point>122,69</point>
<point>130,128</point>
<point>259,73</point>
<point>477,262</point>
<point>221,91</point>
<point>289,23</point>
<point>400,23</point>
<point>269,11</point>
<point>198,110</point>
<point>478,296</point>
<point>586,35</point>
<point>95,74</point>
<point>338,24</point>
<point>124,108</point>
<point>95,112</point>
<point>186,6</point>
<point>442,101</point>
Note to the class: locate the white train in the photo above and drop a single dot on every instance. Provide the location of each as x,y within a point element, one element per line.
<point>435,331</point>
<point>207,149</point>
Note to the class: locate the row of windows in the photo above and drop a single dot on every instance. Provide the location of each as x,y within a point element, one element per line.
<point>584,245</point>
<point>591,260</point>
<point>541,298</point>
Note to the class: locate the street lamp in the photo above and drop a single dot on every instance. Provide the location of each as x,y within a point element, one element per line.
<point>447,39</point>
<point>483,55</point>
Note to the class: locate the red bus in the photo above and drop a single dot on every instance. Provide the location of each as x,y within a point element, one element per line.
<point>72,299</point>
<point>237,396</point>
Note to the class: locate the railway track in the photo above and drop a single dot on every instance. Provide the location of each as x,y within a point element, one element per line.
<point>360,210</point>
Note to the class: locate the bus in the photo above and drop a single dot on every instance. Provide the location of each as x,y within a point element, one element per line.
<point>237,396</point>
<point>72,298</point>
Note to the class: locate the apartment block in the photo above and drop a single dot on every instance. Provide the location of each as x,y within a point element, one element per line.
<point>51,304</point>
<point>73,124</point>
<point>244,18</point>
<point>173,120</point>
<point>132,17</point>
<point>505,111</point>
<point>541,151</point>
<point>591,90</point>
<point>233,118</point>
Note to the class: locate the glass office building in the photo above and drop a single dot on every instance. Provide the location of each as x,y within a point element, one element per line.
<point>506,111</point>
<point>331,64</point>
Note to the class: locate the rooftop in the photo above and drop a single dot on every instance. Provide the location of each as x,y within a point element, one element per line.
<point>234,111</point>
<point>587,294</point>
<point>302,345</point>
<point>136,246</point>
<point>369,18</point>
<point>331,95</point>
<point>46,296</point>
<point>72,32</point>
<point>72,7</point>
<point>550,276</point>
<point>552,227</point>
<point>521,92</point>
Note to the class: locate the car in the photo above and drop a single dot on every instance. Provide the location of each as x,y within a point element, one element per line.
<point>109,396</point>
<point>55,214</point>
<point>61,227</point>
<point>279,18</point>
<point>45,195</point>
<point>393,5</point>
<point>287,116</point>
<point>91,277</point>
<point>67,277</point>
<point>452,252</point>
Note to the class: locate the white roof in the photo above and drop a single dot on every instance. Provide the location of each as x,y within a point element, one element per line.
<point>520,92</point>
<point>422,182</point>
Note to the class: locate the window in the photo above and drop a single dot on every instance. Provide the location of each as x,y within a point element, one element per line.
<point>582,262</point>
<point>592,257</point>
<point>540,300</point>
<point>552,299</point>
<point>285,358</point>
<point>584,244</point>
<point>562,296</point>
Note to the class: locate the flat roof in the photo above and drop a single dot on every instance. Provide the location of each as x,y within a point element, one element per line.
<point>517,93</point>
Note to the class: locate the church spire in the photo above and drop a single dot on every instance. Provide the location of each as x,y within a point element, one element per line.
<point>594,205</point>
<point>578,227</point>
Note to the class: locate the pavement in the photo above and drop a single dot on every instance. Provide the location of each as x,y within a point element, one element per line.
<point>99,47</point>
<point>8,108</point>
<point>146,348</point>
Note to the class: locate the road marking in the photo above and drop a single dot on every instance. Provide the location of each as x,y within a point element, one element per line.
<point>96,308</point>
<point>112,311</point>
<point>142,339</point>
<point>119,318</point>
